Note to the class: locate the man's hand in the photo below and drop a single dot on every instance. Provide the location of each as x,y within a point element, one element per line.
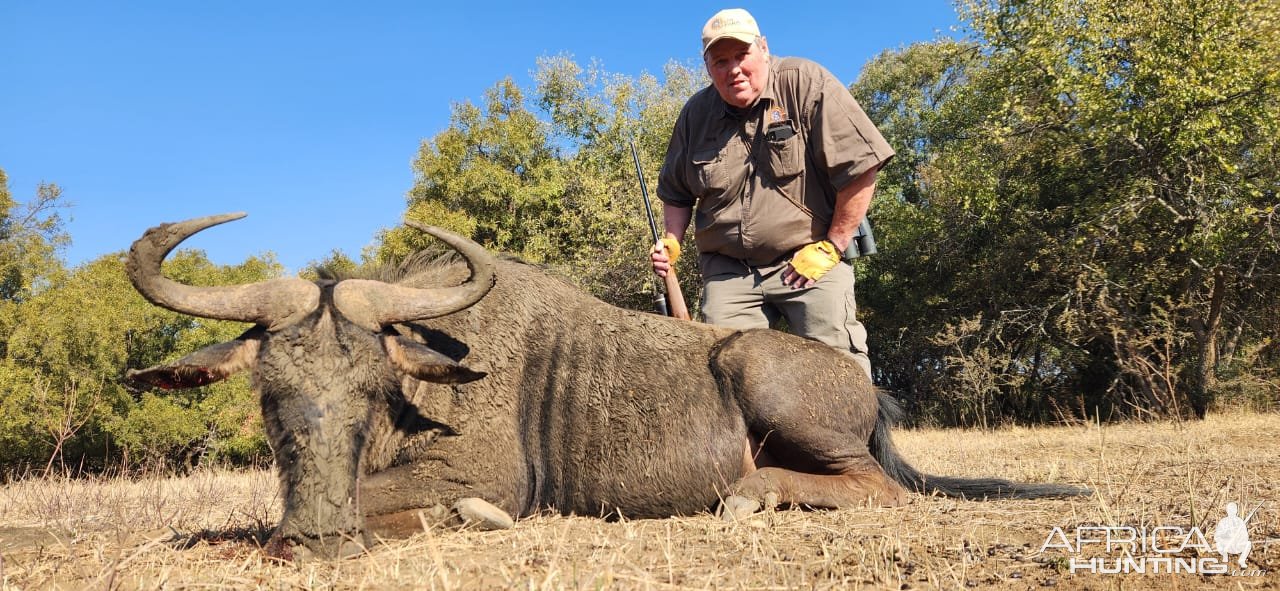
<point>665,254</point>
<point>673,247</point>
<point>810,263</point>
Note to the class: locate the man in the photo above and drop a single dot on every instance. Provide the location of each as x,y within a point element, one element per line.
<point>775,163</point>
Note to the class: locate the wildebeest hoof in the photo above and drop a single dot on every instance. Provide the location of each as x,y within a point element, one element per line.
<point>736,508</point>
<point>479,513</point>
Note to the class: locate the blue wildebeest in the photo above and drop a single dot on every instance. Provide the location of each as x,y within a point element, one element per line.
<point>490,387</point>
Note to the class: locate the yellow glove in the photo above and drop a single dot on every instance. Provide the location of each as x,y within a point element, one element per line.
<point>814,260</point>
<point>672,245</point>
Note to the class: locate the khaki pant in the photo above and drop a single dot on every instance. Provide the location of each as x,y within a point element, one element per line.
<point>756,298</point>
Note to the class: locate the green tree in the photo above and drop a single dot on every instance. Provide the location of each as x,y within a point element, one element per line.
<point>547,174</point>
<point>69,346</point>
<point>1087,209</point>
<point>31,237</point>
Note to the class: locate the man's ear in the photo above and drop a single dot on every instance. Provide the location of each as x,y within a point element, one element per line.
<point>425,363</point>
<point>206,366</point>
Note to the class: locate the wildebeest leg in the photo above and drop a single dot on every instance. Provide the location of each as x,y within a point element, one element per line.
<point>401,501</point>
<point>829,491</point>
<point>470,512</point>
<point>403,524</point>
<point>813,410</point>
<point>815,466</point>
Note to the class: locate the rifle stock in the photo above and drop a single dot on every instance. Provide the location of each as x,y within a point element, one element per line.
<point>675,295</point>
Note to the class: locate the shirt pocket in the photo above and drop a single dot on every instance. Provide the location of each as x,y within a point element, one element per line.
<point>711,178</point>
<point>786,151</point>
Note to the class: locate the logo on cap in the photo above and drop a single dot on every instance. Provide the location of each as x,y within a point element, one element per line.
<point>733,23</point>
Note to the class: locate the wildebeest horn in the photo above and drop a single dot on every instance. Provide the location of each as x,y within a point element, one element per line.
<point>274,303</point>
<point>373,304</point>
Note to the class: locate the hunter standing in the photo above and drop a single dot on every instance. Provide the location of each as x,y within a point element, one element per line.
<point>775,163</point>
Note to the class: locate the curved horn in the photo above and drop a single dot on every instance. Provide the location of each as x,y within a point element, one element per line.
<point>374,304</point>
<point>273,304</point>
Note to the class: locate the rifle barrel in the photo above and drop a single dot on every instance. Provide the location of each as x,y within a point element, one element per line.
<point>644,191</point>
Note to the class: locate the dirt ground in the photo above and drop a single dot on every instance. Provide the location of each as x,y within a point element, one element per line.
<point>1161,490</point>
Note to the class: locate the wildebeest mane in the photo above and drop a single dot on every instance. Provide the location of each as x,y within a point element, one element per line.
<point>426,268</point>
<point>432,267</point>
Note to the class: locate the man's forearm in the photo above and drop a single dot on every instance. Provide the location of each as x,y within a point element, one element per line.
<point>851,206</point>
<point>675,219</point>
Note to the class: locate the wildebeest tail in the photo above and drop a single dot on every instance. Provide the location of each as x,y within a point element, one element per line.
<point>883,450</point>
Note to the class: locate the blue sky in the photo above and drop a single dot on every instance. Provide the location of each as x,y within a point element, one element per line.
<point>307,115</point>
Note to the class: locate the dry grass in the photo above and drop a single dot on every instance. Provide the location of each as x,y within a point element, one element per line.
<point>203,530</point>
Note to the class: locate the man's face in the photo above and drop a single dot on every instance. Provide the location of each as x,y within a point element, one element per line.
<point>738,70</point>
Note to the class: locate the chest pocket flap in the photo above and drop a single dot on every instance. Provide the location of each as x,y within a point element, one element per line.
<point>786,150</point>
<point>710,176</point>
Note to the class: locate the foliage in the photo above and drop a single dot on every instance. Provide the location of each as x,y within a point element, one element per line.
<point>1086,213</point>
<point>337,262</point>
<point>549,177</point>
<point>67,346</point>
<point>31,235</point>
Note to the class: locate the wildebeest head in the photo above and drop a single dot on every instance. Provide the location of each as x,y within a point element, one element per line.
<point>321,353</point>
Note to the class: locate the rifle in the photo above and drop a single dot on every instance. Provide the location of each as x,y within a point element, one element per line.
<point>674,297</point>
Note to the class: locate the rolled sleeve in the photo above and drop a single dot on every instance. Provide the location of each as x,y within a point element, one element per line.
<point>673,180</point>
<point>846,143</point>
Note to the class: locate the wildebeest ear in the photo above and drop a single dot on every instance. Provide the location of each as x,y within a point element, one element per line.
<point>426,364</point>
<point>206,366</point>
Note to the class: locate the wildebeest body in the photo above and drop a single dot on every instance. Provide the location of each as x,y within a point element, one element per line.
<point>492,379</point>
<point>586,408</point>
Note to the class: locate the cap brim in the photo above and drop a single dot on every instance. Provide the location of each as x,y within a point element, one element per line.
<point>743,37</point>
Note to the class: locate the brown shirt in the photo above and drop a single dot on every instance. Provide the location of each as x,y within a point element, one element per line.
<point>764,179</point>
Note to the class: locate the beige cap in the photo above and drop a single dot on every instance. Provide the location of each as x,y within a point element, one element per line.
<point>733,23</point>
